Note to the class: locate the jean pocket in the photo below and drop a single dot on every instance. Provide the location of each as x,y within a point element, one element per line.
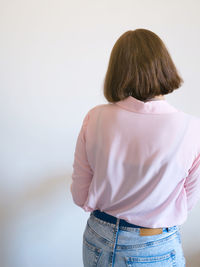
<point>91,254</point>
<point>160,260</point>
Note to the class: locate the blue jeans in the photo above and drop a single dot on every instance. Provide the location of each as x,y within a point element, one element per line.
<point>113,245</point>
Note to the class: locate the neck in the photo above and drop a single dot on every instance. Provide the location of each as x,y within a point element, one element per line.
<point>160,97</point>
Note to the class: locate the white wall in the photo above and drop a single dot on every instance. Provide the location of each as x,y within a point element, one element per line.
<point>53,58</point>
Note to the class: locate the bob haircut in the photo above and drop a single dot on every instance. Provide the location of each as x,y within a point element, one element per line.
<point>140,66</point>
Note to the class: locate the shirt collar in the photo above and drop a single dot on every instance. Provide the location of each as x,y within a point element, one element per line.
<point>157,106</point>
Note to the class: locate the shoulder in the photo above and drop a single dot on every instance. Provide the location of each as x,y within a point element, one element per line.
<point>193,131</point>
<point>94,112</point>
<point>194,120</point>
<point>99,108</point>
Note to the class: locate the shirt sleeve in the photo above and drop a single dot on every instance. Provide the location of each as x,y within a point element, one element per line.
<point>192,184</point>
<point>82,172</point>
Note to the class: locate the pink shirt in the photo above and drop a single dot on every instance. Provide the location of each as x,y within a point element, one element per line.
<point>138,161</point>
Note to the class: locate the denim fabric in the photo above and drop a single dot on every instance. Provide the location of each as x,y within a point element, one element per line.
<point>112,245</point>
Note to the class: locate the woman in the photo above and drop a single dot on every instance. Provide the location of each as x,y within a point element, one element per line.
<point>137,161</point>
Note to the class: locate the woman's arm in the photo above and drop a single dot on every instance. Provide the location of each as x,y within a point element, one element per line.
<point>82,172</point>
<point>192,184</point>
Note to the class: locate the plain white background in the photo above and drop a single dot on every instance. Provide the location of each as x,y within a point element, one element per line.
<point>53,59</point>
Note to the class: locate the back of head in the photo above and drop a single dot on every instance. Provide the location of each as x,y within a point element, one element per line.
<point>140,65</point>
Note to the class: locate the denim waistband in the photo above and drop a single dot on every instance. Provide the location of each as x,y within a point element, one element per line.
<point>112,219</point>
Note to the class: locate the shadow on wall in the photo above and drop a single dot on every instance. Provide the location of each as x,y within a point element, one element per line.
<point>193,260</point>
<point>21,216</point>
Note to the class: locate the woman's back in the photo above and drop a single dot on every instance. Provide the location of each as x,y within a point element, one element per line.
<point>137,160</point>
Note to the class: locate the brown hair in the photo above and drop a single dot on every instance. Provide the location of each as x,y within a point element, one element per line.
<point>141,66</point>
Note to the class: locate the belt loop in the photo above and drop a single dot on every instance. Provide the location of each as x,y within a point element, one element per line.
<point>117,224</point>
